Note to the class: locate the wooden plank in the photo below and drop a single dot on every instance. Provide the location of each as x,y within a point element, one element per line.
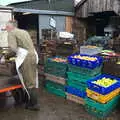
<point>69,23</point>
<point>108,5</point>
<point>98,6</point>
<point>116,6</point>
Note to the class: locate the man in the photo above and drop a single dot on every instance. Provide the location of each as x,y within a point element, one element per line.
<point>18,38</point>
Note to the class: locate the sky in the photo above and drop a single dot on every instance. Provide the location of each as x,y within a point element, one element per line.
<point>6,2</point>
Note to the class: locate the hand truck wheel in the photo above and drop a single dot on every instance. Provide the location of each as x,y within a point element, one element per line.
<point>19,95</point>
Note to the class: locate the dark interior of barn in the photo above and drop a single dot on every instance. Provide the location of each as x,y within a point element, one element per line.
<point>100,20</point>
<point>28,22</point>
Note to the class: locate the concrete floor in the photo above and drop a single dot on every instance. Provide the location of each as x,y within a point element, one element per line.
<point>52,108</point>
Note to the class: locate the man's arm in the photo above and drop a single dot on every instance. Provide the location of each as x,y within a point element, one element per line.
<point>12,44</point>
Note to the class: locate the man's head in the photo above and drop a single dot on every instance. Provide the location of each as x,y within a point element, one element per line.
<point>11,25</point>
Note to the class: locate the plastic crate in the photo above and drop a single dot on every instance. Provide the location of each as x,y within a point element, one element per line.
<point>100,110</point>
<point>55,85</point>
<point>78,77</point>
<point>49,62</point>
<point>102,98</point>
<point>85,71</point>
<point>75,91</point>
<point>57,71</point>
<point>79,85</point>
<point>55,68</point>
<point>100,89</point>
<point>90,51</point>
<point>85,63</point>
<point>75,99</point>
<point>56,79</point>
<point>110,59</point>
<point>56,89</point>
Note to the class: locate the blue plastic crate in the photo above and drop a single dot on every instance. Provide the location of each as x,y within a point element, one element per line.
<point>85,63</point>
<point>100,89</point>
<point>75,91</point>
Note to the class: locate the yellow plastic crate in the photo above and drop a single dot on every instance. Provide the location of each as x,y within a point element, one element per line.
<point>102,98</point>
<point>75,99</point>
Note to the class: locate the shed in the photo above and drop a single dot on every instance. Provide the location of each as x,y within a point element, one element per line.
<point>86,7</point>
<point>36,14</point>
<point>94,15</point>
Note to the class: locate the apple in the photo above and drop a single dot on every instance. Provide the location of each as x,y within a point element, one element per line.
<point>105,82</point>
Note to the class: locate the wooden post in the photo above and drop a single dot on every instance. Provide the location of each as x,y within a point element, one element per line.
<point>51,34</point>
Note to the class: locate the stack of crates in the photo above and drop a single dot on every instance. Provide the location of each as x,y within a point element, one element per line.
<point>55,73</point>
<point>101,100</point>
<point>79,72</point>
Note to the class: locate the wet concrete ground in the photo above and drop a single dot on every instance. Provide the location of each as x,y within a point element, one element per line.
<point>52,108</point>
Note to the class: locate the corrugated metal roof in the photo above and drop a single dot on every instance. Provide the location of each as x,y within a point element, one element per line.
<point>5,7</point>
<point>55,5</point>
<point>80,3</point>
<point>43,12</point>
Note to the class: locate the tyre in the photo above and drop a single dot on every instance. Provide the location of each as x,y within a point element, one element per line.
<point>19,95</point>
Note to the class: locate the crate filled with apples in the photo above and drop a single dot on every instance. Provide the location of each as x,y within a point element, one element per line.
<point>57,59</point>
<point>56,66</point>
<point>86,61</point>
<point>104,84</point>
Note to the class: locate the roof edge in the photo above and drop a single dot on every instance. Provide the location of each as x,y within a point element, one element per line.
<point>43,12</point>
<point>80,3</point>
<point>19,2</point>
<point>6,7</point>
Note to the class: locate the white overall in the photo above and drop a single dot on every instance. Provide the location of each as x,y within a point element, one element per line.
<point>21,55</point>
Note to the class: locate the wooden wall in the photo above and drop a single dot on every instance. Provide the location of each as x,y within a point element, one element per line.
<point>69,24</point>
<point>80,30</point>
<point>89,6</point>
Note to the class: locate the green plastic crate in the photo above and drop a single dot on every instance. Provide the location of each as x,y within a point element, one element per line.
<point>56,65</point>
<point>84,71</point>
<point>78,77</point>
<point>55,68</point>
<point>49,62</point>
<point>78,85</point>
<point>55,85</point>
<point>61,72</point>
<point>100,110</point>
<point>56,89</point>
<point>57,92</point>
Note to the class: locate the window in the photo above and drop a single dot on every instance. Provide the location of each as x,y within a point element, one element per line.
<point>49,34</point>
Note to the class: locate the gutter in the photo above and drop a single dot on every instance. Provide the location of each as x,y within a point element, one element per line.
<point>43,12</point>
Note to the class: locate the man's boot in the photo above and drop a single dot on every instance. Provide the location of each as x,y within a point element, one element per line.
<point>33,103</point>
